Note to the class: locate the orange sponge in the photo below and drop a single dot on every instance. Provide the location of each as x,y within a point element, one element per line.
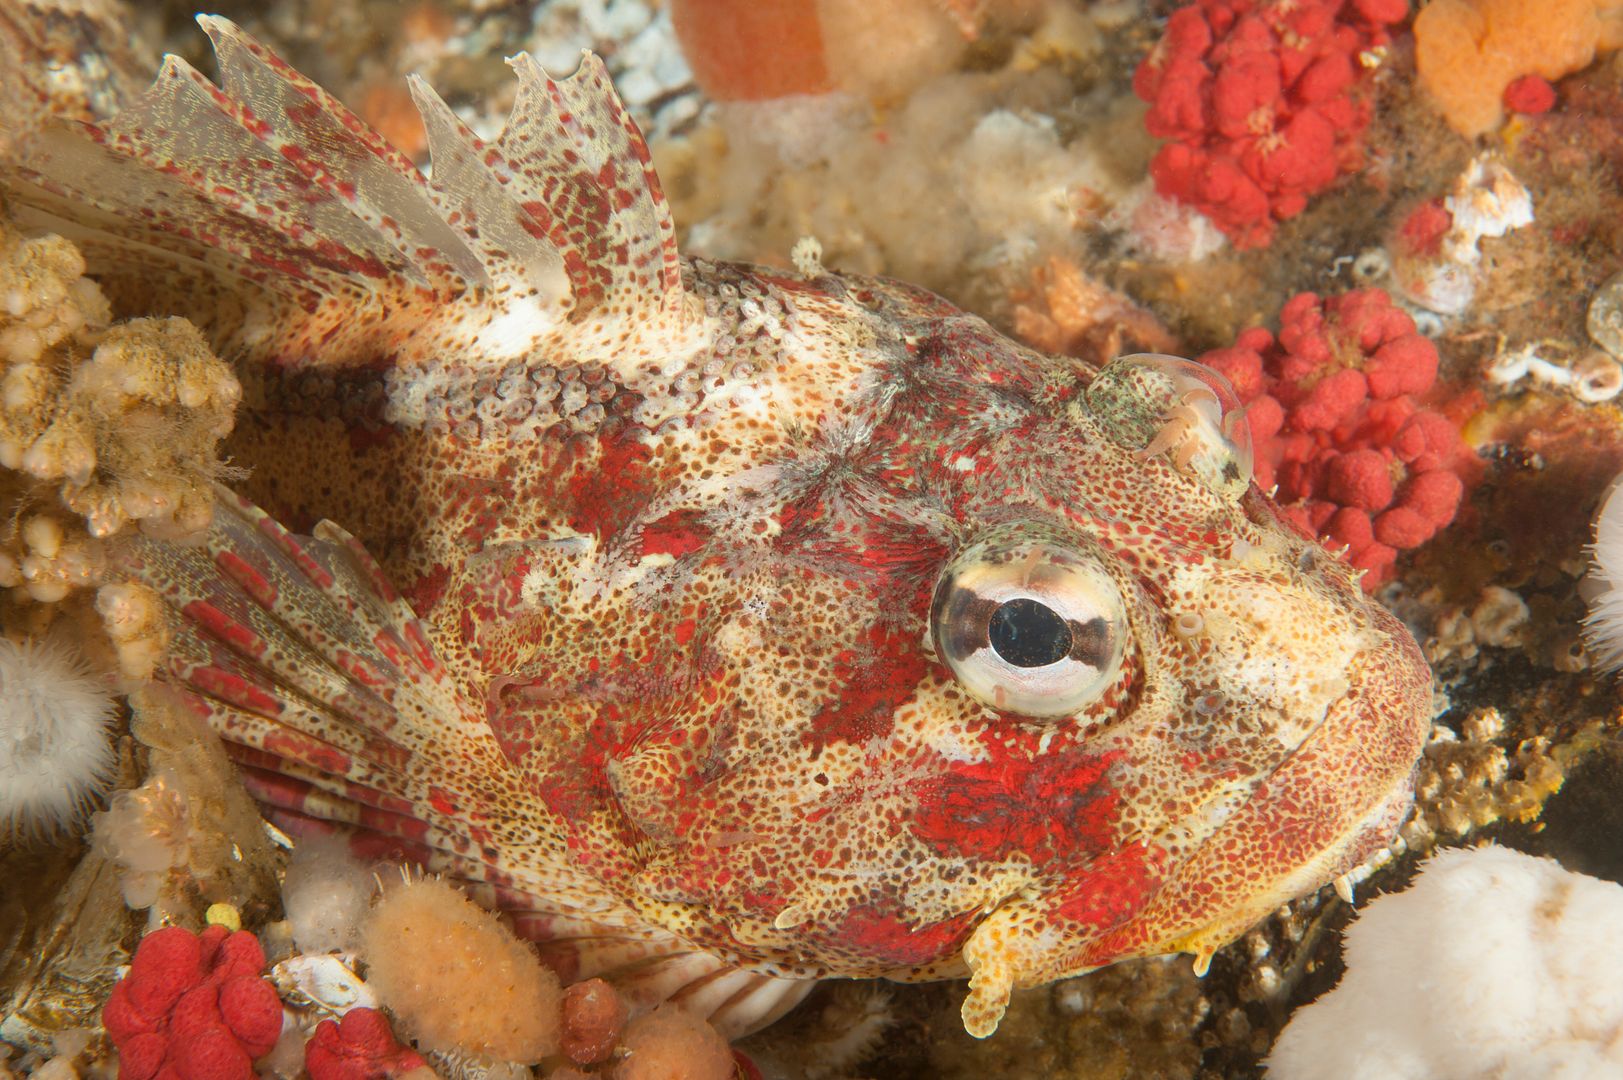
<point>458,979</point>
<point>1468,51</point>
<point>751,50</point>
<point>756,50</point>
<point>671,1043</point>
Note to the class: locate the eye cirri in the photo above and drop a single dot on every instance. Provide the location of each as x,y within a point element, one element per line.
<point>1029,627</point>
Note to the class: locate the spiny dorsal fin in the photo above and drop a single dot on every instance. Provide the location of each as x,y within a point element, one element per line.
<point>470,196</point>
<point>265,192</point>
<point>595,193</point>
<point>572,169</point>
<point>338,152</point>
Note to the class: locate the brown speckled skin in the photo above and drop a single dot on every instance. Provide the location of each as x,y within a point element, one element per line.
<point>676,556</point>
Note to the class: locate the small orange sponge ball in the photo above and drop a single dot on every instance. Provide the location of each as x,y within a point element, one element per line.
<point>1468,51</point>
<point>458,979</point>
<point>671,1043</point>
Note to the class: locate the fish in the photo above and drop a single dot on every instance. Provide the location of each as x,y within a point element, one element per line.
<point>730,627</point>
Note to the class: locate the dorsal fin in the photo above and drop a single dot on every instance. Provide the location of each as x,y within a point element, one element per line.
<point>216,202</point>
<point>608,198</point>
<point>469,194</point>
<point>339,153</point>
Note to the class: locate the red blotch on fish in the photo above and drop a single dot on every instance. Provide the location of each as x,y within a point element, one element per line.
<point>1058,805</point>
<point>313,752</point>
<point>234,690</point>
<point>254,583</point>
<point>676,534</point>
<point>872,679</point>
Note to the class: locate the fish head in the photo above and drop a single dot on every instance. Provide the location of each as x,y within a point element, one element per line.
<point>1197,708</point>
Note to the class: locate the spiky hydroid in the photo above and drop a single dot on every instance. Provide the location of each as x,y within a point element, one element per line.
<point>1603,628</point>
<point>55,751</point>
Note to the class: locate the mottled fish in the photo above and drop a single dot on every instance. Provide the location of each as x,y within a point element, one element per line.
<point>730,627</point>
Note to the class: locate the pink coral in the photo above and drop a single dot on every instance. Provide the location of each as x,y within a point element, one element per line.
<point>1260,101</point>
<point>361,1046</point>
<point>193,1007</point>
<point>1336,421</point>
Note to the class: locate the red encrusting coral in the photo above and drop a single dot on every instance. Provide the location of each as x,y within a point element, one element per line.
<point>193,1007</point>
<point>1423,229</point>
<point>1334,404</point>
<point>1530,95</point>
<point>361,1046</point>
<point>1261,101</point>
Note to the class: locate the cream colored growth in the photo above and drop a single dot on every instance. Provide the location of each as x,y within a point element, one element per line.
<point>102,425</point>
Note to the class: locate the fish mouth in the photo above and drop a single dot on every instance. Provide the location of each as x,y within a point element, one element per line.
<point>1327,806</point>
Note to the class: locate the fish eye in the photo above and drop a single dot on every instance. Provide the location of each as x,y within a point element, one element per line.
<point>1028,626</point>
<point>1158,405</point>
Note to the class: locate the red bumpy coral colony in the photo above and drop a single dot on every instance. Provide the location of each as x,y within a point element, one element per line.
<point>193,1007</point>
<point>1336,421</point>
<point>1262,104</point>
<point>361,1046</point>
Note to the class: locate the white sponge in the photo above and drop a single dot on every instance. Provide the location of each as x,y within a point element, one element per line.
<point>56,754</point>
<point>1493,964</point>
<point>326,894</point>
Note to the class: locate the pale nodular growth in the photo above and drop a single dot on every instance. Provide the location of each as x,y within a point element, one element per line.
<point>189,835</point>
<point>145,832</point>
<point>102,426</point>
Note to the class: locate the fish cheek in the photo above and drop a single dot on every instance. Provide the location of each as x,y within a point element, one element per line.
<point>1285,649</point>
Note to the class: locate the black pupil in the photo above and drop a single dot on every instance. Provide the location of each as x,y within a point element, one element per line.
<point>1029,634</point>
